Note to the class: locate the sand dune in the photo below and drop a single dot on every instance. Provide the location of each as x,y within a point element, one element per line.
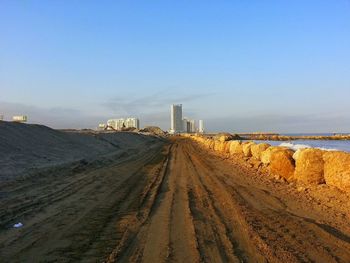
<point>26,148</point>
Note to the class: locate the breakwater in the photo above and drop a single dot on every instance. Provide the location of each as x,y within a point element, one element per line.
<point>276,137</point>
<point>308,166</point>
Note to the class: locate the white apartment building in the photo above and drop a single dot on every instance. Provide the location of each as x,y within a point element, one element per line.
<point>176,118</point>
<point>192,126</point>
<point>200,126</point>
<point>119,124</point>
<point>20,118</point>
<point>188,125</point>
<point>132,123</point>
<point>116,124</point>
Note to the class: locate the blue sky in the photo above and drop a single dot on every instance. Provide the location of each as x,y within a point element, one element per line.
<point>281,66</point>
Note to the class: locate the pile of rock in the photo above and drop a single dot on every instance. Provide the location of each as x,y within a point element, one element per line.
<point>153,130</point>
<point>308,166</point>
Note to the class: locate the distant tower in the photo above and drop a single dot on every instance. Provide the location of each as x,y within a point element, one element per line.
<point>192,126</point>
<point>176,118</point>
<point>201,126</point>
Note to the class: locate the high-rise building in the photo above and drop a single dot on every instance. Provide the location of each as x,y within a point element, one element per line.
<point>188,125</point>
<point>115,124</point>
<point>200,126</point>
<point>132,123</point>
<point>176,118</point>
<point>185,125</point>
<point>192,126</point>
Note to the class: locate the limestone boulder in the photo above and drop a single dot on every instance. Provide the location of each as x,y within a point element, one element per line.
<point>265,156</point>
<point>227,147</point>
<point>220,146</point>
<point>282,163</point>
<point>200,139</point>
<point>216,145</point>
<point>210,144</point>
<point>309,166</point>
<point>246,148</point>
<point>236,148</point>
<point>296,154</point>
<point>337,169</point>
<point>257,149</point>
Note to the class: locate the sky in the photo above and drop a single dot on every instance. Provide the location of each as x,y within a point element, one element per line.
<point>241,66</point>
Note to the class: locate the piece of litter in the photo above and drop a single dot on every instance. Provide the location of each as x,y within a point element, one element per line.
<point>18,225</point>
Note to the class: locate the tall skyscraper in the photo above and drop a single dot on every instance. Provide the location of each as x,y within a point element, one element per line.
<point>200,126</point>
<point>176,118</point>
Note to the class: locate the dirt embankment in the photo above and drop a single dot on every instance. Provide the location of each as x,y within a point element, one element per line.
<point>26,149</point>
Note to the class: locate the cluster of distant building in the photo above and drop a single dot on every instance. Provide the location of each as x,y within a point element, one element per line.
<point>178,124</point>
<point>18,118</point>
<point>120,124</point>
<point>183,125</point>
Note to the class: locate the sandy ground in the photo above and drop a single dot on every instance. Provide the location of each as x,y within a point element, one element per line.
<point>171,202</point>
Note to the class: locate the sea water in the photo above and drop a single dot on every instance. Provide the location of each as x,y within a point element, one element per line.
<point>329,145</point>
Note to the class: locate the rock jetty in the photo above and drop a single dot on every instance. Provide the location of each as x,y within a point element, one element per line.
<point>307,166</point>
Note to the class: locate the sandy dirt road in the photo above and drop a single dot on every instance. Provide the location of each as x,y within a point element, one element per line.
<point>173,202</point>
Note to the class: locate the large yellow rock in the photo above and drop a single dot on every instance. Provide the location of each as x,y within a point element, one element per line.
<point>219,146</point>
<point>282,163</point>
<point>235,148</point>
<point>296,154</point>
<point>210,144</point>
<point>216,145</point>
<point>337,169</point>
<point>227,147</point>
<point>200,139</point>
<point>265,156</point>
<point>257,149</point>
<point>309,166</point>
<point>246,147</point>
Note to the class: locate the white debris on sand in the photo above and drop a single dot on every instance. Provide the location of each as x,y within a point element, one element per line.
<point>18,225</point>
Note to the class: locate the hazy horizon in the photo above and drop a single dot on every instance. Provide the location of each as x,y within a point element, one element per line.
<point>241,67</point>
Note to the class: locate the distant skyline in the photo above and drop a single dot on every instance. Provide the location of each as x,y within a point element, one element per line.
<point>274,66</point>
